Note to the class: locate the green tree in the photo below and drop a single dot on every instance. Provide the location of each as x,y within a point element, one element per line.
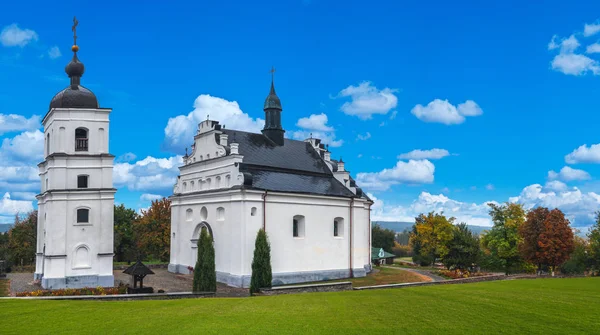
<point>382,238</point>
<point>431,233</point>
<point>124,240</point>
<point>594,240</point>
<point>262,275</point>
<point>22,240</point>
<point>205,276</point>
<point>502,241</point>
<point>578,260</point>
<point>4,246</point>
<point>151,231</point>
<point>463,248</point>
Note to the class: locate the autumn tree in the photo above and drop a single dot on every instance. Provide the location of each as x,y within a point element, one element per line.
<point>124,240</point>
<point>205,276</point>
<point>22,239</point>
<point>578,261</point>
<point>502,240</point>
<point>594,239</point>
<point>463,248</point>
<point>430,237</point>
<point>151,231</point>
<point>531,231</point>
<point>382,238</point>
<point>261,263</point>
<point>554,241</point>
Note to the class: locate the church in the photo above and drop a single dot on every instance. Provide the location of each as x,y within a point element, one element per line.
<point>234,183</point>
<point>76,203</point>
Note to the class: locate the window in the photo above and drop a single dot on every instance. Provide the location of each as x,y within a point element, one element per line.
<point>220,214</point>
<point>298,226</point>
<point>338,227</point>
<point>203,213</point>
<point>227,180</point>
<point>191,185</point>
<point>81,139</point>
<point>200,185</point>
<point>82,257</point>
<point>253,211</point>
<point>218,182</point>
<point>188,214</point>
<point>83,215</point>
<point>82,181</point>
<point>48,145</point>
<point>184,186</point>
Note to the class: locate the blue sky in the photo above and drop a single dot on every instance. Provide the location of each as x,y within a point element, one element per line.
<point>500,99</point>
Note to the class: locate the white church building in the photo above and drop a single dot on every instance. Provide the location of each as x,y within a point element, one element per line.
<point>76,203</point>
<point>234,183</point>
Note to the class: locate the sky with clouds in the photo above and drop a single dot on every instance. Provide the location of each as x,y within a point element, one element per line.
<point>432,105</point>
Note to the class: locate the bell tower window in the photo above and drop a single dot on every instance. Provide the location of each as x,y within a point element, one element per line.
<point>81,139</point>
<point>82,181</point>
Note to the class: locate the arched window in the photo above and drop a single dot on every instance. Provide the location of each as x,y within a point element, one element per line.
<point>81,258</point>
<point>81,139</point>
<point>184,186</point>
<point>83,215</point>
<point>228,181</point>
<point>208,183</point>
<point>220,214</point>
<point>201,157</point>
<point>82,181</point>
<point>48,145</point>
<point>253,211</point>
<point>218,182</point>
<point>188,214</point>
<point>298,226</point>
<point>192,185</point>
<point>200,185</point>
<point>203,213</point>
<point>207,156</point>
<point>338,227</point>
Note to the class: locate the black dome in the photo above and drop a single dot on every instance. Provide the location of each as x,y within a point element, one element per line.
<point>74,97</point>
<point>272,101</point>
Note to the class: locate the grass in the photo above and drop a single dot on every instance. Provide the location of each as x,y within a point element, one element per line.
<point>549,306</point>
<point>4,287</point>
<point>387,276</point>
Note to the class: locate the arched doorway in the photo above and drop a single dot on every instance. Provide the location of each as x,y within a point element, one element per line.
<point>196,237</point>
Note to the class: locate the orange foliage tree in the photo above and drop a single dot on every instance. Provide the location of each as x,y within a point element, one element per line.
<point>151,231</point>
<point>547,238</point>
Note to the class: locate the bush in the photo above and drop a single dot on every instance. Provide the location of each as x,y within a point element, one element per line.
<point>262,275</point>
<point>121,289</point>
<point>457,274</point>
<point>402,250</point>
<point>422,260</point>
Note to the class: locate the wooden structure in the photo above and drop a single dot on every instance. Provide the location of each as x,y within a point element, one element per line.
<point>138,272</point>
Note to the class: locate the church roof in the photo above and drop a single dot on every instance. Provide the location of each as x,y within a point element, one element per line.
<point>294,167</point>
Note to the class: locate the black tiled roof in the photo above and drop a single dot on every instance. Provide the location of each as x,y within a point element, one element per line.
<point>138,269</point>
<point>257,149</point>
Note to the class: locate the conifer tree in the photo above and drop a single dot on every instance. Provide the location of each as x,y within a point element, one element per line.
<point>197,272</point>
<point>261,263</point>
<point>205,276</point>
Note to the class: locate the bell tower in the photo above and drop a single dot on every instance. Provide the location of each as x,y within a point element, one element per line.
<point>273,129</point>
<point>76,202</point>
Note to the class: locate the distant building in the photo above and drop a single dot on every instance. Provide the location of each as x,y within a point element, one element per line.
<point>234,183</point>
<point>381,257</point>
<point>76,203</point>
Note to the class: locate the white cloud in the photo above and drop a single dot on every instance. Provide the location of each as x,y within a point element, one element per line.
<point>490,187</point>
<point>567,173</point>
<point>555,186</point>
<point>470,213</point>
<point>578,207</point>
<point>593,48</point>
<point>12,36</point>
<point>29,196</point>
<point>441,111</point>
<point>148,174</point>
<point>325,137</point>
<point>315,122</point>
<point>367,100</point>
<point>12,122</point>
<point>12,207</point>
<point>150,197</point>
<point>425,154</point>
<point>574,64</point>
<point>584,154</point>
<point>54,52</point>
<point>315,126</point>
<point>591,29</point>
<point>411,172</point>
<point>28,146</point>
<point>393,115</point>
<point>566,45</point>
<point>126,157</point>
<point>364,137</point>
<point>180,130</point>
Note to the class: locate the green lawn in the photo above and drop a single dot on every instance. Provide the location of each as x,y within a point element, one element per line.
<point>386,276</point>
<point>549,306</point>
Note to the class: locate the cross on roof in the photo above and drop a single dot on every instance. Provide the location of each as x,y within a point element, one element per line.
<point>74,29</point>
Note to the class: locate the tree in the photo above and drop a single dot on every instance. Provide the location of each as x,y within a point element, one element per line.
<point>262,275</point>
<point>151,231</point>
<point>205,276</point>
<point>382,238</point>
<point>124,239</point>
<point>22,240</point>
<point>463,248</point>
<point>556,242</point>
<point>501,242</point>
<point>431,233</point>
<point>530,231</point>
<point>578,260</point>
<point>594,248</point>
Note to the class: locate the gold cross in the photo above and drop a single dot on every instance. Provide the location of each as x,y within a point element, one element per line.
<point>74,29</point>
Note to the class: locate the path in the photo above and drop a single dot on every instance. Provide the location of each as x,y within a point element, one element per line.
<point>425,273</point>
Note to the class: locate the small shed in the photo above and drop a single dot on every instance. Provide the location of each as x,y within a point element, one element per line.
<point>138,272</point>
<point>380,256</point>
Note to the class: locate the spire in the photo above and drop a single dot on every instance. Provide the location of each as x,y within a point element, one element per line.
<point>272,108</point>
<point>75,68</point>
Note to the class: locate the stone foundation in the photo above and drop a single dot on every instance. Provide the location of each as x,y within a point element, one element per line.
<point>78,282</point>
